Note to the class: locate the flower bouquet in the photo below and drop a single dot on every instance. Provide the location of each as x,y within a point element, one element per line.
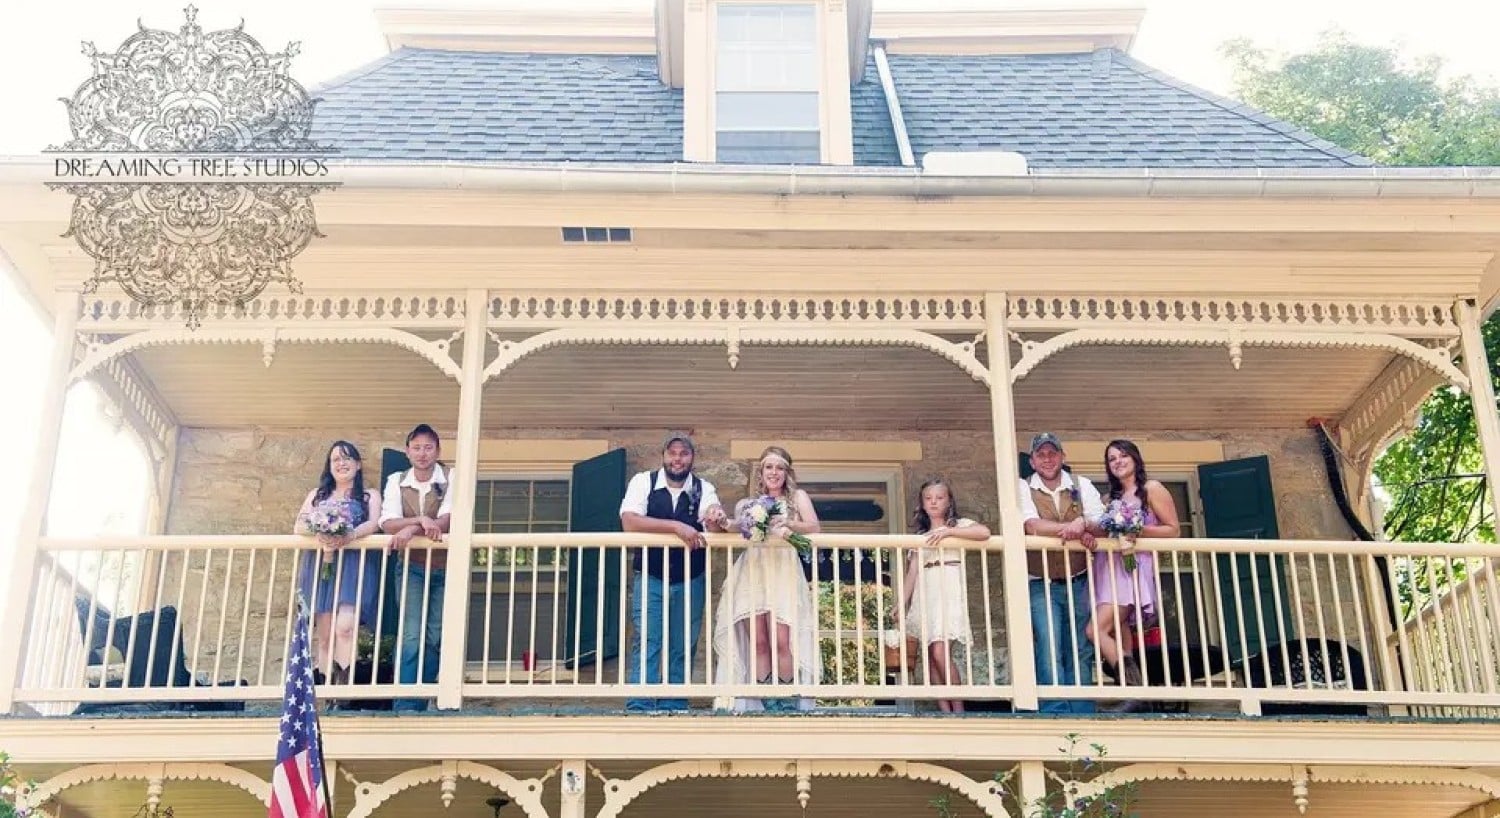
<point>331,517</point>
<point>755,524</point>
<point>1124,522</point>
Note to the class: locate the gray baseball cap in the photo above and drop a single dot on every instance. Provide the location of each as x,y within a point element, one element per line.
<point>673,437</point>
<point>1045,439</point>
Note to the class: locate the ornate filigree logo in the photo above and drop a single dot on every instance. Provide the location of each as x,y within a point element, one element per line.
<point>192,166</point>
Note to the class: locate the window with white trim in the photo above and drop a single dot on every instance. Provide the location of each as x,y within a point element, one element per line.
<point>766,84</point>
<point>516,595</point>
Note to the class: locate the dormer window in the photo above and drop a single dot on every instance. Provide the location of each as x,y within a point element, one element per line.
<point>767,81</point>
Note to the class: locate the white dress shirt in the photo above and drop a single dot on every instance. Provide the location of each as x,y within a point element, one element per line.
<point>390,501</point>
<point>638,493</point>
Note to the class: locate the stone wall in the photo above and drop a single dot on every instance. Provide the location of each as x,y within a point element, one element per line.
<point>252,481</point>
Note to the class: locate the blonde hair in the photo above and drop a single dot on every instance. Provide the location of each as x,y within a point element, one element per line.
<point>757,477</point>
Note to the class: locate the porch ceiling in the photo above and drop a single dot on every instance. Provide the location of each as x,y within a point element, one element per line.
<point>1132,389</point>
<point>1140,387</point>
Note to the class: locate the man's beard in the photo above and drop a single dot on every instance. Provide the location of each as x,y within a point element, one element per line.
<point>677,476</point>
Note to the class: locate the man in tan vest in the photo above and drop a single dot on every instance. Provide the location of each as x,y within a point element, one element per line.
<point>417,502</point>
<point>1054,503</point>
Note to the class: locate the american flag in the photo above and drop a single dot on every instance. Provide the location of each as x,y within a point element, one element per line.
<point>297,782</point>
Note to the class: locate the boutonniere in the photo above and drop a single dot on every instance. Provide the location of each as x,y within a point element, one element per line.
<point>438,489</point>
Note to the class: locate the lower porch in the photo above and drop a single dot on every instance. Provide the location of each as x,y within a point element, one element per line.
<point>698,764</point>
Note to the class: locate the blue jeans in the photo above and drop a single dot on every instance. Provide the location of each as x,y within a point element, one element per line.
<point>421,638</point>
<point>656,606</point>
<point>1059,614</point>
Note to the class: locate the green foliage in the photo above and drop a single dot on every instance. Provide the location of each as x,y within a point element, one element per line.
<point>8,785</point>
<point>862,660</point>
<point>1064,800</point>
<point>1369,100</point>
<point>1400,112</point>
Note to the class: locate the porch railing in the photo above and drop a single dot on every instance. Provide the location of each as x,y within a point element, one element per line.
<point>203,622</point>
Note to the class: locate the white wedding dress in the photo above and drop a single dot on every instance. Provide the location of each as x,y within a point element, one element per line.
<point>767,577</point>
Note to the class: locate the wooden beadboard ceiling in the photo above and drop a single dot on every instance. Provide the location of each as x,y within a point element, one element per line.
<point>776,798</point>
<point>1128,388</point>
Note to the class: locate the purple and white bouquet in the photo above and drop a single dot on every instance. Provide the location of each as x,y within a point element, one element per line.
<point>1124,522</point>
<point>331,517</point>
<point>755,523</point>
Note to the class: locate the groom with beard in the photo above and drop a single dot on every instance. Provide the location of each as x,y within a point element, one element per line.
<point>669,583</point>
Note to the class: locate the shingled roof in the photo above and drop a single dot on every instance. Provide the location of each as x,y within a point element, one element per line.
<point>1097,110</point>
<point>464,105</point>
<point>1102,109</point>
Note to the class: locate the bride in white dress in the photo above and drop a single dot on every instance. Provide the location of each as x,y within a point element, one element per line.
<point>765,628</point>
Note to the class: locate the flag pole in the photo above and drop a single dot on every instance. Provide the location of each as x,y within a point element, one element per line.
<point>317,718</point>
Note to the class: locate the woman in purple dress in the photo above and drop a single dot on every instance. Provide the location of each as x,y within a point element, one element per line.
<point>1125,597</point>
<point>340,583</point>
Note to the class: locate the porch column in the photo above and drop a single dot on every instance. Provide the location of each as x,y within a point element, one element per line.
<point>573,784</point>
<point>461,521</point>
<point>1015,581</point>
<point>1482,393</point>
<point>34,513</point>
<point>1032,787</point>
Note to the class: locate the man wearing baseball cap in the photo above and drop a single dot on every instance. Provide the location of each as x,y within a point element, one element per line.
<point>1055,503</point>
<point>670,588</point>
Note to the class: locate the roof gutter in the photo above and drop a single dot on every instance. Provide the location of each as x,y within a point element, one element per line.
<point>1468,182</point>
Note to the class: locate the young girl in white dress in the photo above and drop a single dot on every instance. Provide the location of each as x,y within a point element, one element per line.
<point>934,596</point>
<point>765,629</point>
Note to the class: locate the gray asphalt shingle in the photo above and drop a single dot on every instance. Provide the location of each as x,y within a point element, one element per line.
<point>1101,110</point>
<point>460,105</point>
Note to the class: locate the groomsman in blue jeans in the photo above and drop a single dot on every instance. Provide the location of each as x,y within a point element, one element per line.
<point>1054,503</point>
<point>669,583</point>
<point>417,502</point>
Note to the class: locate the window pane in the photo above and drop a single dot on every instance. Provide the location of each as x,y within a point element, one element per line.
<point>1179,492</point>
<point>767,48</point>
<point>769,147</point>
<point>765,70</point>
<point>766,23</point>
<point>519,507</point>
<point>767,112</point>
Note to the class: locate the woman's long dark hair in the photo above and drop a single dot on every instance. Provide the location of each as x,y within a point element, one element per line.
<point>920,524</point>
<point>1134,453</point>
<point>326,483</point>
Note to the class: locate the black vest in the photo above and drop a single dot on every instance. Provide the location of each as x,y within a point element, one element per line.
<point>677,562</point>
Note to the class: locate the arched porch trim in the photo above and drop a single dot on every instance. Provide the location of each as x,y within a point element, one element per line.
<point>527,793</point>
<point>619,793</point>
<point>96,354</point>
<point>152,774</point>
<point>734,337</point>
<point>1033,353</point>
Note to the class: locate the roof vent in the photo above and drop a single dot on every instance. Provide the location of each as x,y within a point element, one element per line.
<point>596,235</point>
<point>974,163</point>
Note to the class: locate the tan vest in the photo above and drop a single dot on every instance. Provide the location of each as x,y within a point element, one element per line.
<point>429,508</point>
<point>1060,565</point>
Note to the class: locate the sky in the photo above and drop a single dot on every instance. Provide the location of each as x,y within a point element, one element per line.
<point>99,485</point>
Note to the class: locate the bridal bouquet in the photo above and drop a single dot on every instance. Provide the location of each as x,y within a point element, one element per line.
<point>755,524</point>
<point>1124,522</point>
<point>331,517</point>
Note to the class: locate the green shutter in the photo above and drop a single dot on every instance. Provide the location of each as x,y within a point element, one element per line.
<point>598,486</point>
<point>1238,503</point>
<point>391,461</point>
